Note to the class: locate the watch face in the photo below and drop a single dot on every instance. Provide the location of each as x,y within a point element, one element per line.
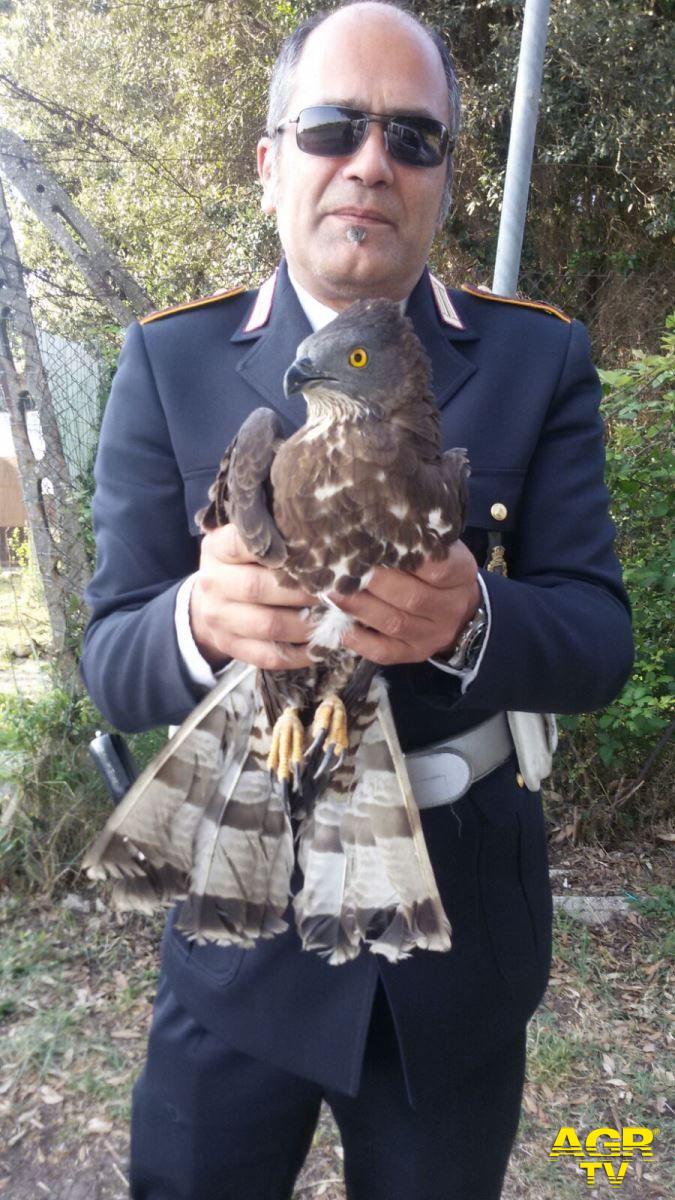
<point>473,649</point>
<point>469,641</point>
<point>475,639</point>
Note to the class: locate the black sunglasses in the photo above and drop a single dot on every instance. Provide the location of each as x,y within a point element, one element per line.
<point>332,131</point>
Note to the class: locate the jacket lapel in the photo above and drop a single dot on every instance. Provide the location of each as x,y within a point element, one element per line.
<point>270,338</point>
<point>270,348</point>
<point>450,368</point>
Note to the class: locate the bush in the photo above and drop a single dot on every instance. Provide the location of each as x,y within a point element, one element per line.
<point>54,801</point>
<point>639,408</point>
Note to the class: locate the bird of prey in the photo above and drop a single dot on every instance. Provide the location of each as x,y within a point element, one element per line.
<point>363,483</point>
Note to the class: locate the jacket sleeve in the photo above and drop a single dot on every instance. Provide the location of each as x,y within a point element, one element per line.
<point>131,662</point>
<point>561,637</point>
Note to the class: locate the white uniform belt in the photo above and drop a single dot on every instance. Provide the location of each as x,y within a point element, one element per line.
<point>444,772</point>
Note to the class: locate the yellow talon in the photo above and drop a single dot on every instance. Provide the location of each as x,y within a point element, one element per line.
<point>329,730</point>
<point>288,736</point>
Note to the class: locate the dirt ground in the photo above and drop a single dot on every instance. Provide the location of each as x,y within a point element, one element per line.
<point>76,988</point>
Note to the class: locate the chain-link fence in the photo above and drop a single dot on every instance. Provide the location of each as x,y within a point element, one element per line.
<point>62,449</point>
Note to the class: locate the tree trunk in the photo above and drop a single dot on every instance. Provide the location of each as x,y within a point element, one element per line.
<point>110,283</point>
<point>53,521</point>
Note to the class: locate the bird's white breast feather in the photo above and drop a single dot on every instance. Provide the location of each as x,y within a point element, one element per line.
<point>330,489</point>
<point>331,628</point>
<point>434,522</point>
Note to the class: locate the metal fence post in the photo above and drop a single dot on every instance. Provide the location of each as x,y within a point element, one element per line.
<point>521,147</point>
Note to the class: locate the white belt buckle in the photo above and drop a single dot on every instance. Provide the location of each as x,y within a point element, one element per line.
<point>438,777</point>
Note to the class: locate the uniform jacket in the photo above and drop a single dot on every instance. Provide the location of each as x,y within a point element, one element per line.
<point>515,385</point>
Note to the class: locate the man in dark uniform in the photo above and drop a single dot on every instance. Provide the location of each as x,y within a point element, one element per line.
<point>421,1061</point>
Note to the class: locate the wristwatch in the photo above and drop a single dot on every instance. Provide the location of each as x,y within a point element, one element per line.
<point>469,641</point>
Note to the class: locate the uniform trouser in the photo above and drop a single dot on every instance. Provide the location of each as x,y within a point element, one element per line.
<point>210,1123</point>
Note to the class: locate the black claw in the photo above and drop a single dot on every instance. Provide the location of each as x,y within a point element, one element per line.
<point>317,743</point>
<point>286,792</point>
<point>297,778</point>
<point>325,762</point>
<point>339,762</point>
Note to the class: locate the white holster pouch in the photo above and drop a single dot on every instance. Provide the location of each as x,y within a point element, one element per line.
<point>535,737</point>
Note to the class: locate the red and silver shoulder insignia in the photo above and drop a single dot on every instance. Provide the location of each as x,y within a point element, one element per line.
<point>446,309</point>
<point>262,307</point>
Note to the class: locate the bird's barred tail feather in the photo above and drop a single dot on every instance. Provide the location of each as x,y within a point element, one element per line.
<point>367,874</point>
<point>204,823</point>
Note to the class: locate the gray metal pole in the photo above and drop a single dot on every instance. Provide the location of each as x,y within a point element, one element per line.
<point>521,147</point>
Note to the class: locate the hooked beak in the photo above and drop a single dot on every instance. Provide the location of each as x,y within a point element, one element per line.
<point>300,375</point>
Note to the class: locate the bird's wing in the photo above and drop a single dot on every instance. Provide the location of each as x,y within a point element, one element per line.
<point>456,472</point>
<point>204,823</point>
<point>440,500</point>
<point>241,492</point>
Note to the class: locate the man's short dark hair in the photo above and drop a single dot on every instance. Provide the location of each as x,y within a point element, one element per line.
<point>283,75</point>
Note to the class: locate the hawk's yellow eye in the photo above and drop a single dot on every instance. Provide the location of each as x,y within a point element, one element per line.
<point>358,357</point>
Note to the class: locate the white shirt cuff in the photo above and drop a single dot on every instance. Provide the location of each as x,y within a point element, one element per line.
<point>468,674</point>
<point>197,667</point>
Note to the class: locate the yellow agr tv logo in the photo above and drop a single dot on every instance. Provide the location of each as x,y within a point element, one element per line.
<point>605,1150</point>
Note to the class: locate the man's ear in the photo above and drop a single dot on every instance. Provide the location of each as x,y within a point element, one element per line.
<point>265,153</point>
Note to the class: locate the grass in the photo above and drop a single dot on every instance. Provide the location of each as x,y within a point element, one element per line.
<point>555,1057</point>
<point>599,1055</point>
<point>77,991</point>
<point>660,903</point>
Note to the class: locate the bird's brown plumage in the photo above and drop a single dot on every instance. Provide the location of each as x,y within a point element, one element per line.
<point>362,484</point>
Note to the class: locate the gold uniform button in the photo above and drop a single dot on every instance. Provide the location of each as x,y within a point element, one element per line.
<point>519,780</point>
<point>499,511</point>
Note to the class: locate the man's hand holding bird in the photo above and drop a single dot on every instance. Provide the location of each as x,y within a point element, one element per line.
<point>248,615</point>
<point>408,616</point>
<point>346,557</point>
<point>238,609</point>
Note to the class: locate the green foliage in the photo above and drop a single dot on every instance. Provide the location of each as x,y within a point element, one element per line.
<point>23,615</point>
<point>639,409</point>
<point>19,548</point>
<point>55,801</point>
<point>659,903</point>
<point>601,748</point>
<point>599,208</point>
<point>148,114</point>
